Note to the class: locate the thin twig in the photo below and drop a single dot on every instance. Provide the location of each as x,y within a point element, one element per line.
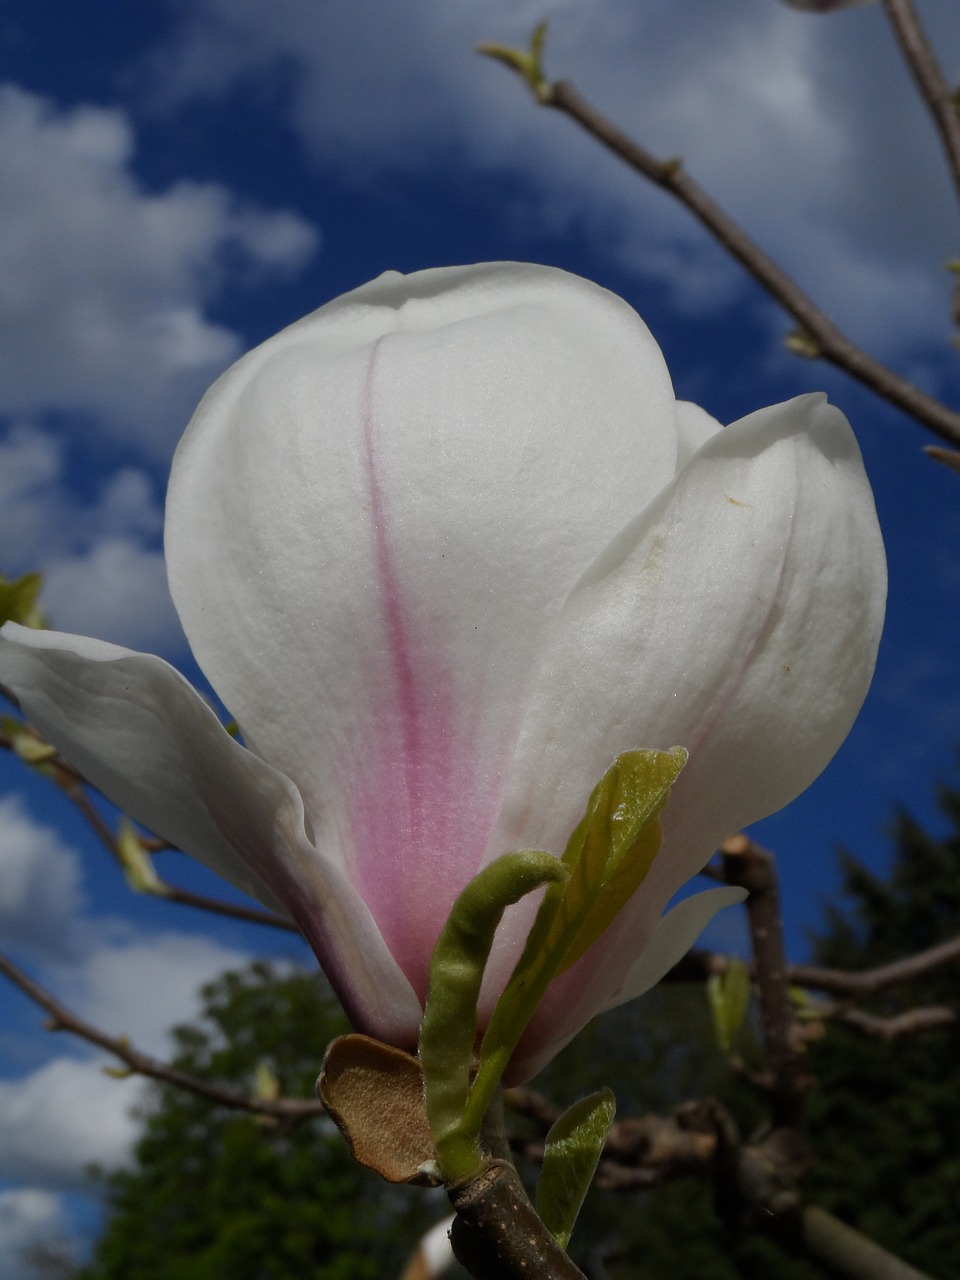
<point>818,333</point>
<point>929,79</point>
<point>909,1023</point>
<point>74,786</point>
<point>697,965</point>
<point>63,1019</point>
<point>868,982</point>
<point>218,907</point>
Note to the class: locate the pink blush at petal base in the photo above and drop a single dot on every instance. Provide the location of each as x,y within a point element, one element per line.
<point>420,801</point>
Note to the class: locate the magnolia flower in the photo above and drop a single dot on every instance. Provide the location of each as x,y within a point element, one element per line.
<point>445,548</point>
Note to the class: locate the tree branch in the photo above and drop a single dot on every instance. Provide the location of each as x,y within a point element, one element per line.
<point>697,965</point>
<point>929,79</point>
<point>755,1182</point>
<point>63,1019</point>
<point>753,868</point>
<point>497,1234</point>
<point>868,982</point>
<point>909,1023</point>
<point>74,786</point>
<point>819,337</point>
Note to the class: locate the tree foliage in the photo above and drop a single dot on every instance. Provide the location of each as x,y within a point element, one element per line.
<point>884,1119</point>
<point>215,1193</point>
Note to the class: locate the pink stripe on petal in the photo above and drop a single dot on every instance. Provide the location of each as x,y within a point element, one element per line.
<point>421,802</point>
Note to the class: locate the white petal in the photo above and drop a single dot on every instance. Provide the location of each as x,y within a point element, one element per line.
<point>373,521</point>
<point>133,726</point>
<point>694,428</point>
<point>569,1006</point>
<point>739,617</point>
<point>673,937</point>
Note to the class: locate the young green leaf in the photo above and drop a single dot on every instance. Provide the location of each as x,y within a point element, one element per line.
<point>136,862</point>
<point>611,851</point>
<point>526,62</point>
<point>18,600</point>
<point>570,1158</point>
<point>607,858</point>
<point>729,995</point>
<point>31,749</point>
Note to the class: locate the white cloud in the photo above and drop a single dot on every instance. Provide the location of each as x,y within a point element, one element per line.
<point>29,1217</point>
<point>103,570</point>
<point>62,1118</point>
<point>40,892</point>
<point>140,987</point>
<point>116,591</point>
<point>127,504</point>
<point>31,467</point>
<point>808,130</point>
<point>106,284</point>
<point>69,1114</point>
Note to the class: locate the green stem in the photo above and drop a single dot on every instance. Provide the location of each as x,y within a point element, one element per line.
<point>449,1029</point>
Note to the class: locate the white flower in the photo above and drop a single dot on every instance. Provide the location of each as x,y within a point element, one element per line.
<point>445,548</point>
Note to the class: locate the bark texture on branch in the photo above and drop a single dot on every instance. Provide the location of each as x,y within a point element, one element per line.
<point>753,868</point>
<point>497,1234</point>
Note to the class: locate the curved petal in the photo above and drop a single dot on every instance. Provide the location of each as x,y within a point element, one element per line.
<point>694,428</point>
<point>373,521</point>
<point>136,729</point>
<point>739,617</point>
<point>566,1011</point>
<point>673,937</point>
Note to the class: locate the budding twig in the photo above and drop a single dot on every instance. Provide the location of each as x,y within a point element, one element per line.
<point>817,335</point>
<point>74,786</point>
<point>821,335</point>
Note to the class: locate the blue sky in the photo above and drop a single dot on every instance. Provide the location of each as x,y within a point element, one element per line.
<point>180,178</point>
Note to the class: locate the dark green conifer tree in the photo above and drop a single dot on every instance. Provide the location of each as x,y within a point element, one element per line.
<point>886,1115</point>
